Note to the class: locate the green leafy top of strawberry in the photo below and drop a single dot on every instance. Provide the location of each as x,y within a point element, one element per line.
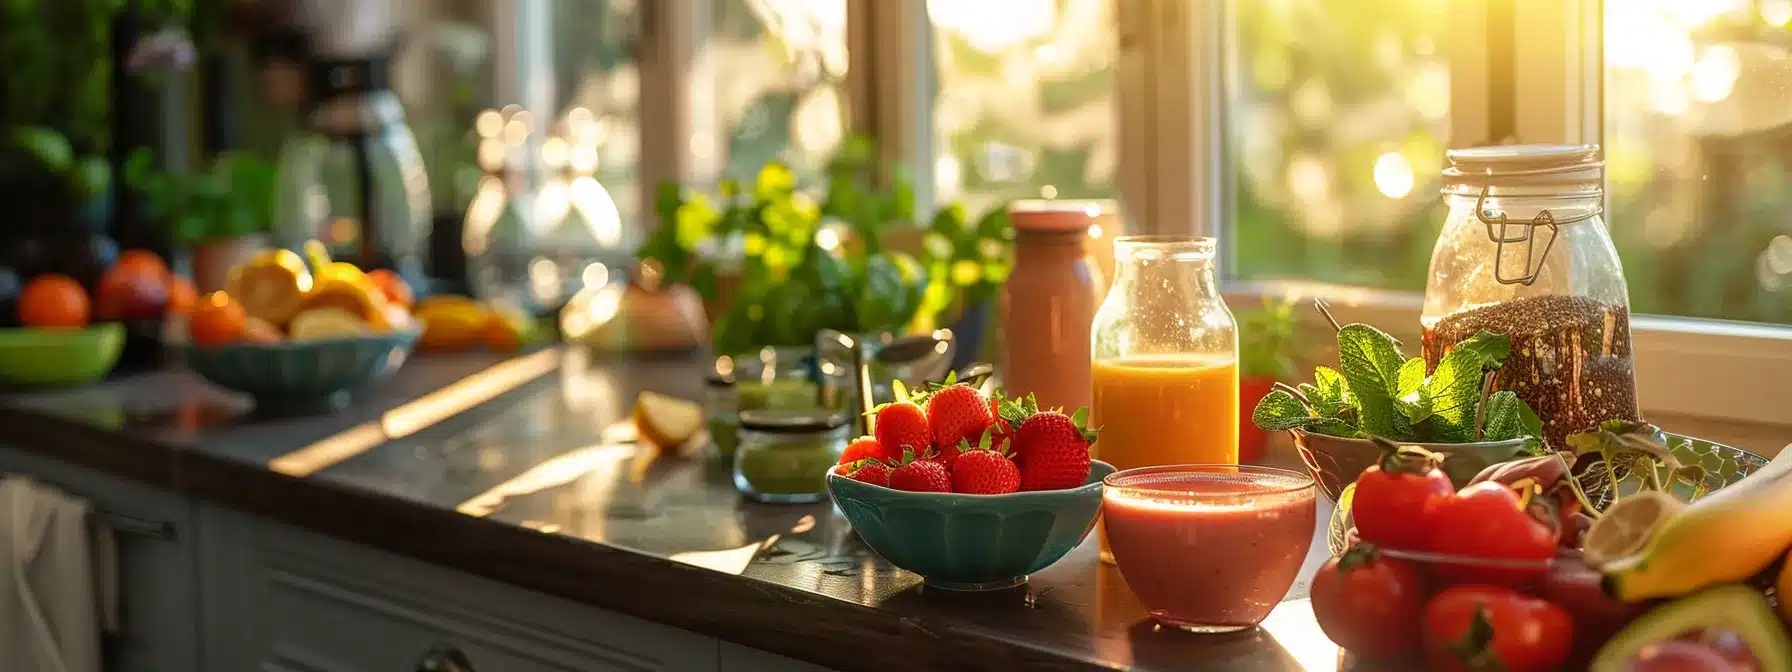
<point>1016,411</point>
<point>987,442</point>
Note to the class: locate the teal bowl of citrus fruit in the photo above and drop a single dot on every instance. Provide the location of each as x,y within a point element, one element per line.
<point>313,374</point>
<point>32,356</point>
<point>971,542</point>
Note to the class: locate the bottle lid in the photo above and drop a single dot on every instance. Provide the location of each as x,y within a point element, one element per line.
<point>1525,165</point>
<point>1059,216</point>
<point>791,421</point>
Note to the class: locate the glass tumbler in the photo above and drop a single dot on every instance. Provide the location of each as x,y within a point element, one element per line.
<point>1209,548</point>
<point>1164,365</point>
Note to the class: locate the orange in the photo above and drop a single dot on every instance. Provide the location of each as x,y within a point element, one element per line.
<point>54,301</point>
<point>397,291</point>
<point>217,319</point>
<point>143,260</point>
<point>271,286</point>
<point>181,295</point>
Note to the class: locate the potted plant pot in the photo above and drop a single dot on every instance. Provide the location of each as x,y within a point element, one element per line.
<point>213,259</point>
<point>1252,441</point>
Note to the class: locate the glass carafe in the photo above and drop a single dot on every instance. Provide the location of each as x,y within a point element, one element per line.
<point>1164,361</point>
<point>1525,253</point>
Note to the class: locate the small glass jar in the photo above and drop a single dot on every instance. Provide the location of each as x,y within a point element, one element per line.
<point>776,377</point>
<point>721,415</point>
<point>784,455</point>
<point>1524,252</point>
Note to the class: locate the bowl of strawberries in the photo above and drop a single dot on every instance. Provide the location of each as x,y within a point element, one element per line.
<point>969,490</point>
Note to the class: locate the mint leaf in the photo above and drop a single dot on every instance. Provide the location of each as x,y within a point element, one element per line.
<point>1533,425</point>
<point>1454,389</point>
<point>1279,410</point>
<point>1489,349</point>
<point>1504,419</point>
<point>1371,360</point>
<point>1331,398</point>
<point>1416,407</point>
<point>1412,377</point>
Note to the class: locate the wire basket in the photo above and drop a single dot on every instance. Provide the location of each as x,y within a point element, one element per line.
<point>1723,465</point>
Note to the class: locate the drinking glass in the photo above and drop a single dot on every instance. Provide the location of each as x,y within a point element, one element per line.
<point>1209,547</point>
<point>1164,365</point>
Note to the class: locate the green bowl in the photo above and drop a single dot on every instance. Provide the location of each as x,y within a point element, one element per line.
<point>31,356</point>
<point>970,542</point>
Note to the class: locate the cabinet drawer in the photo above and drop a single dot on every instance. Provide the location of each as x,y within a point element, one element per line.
<point>308,603</point>
<point>156,571</point>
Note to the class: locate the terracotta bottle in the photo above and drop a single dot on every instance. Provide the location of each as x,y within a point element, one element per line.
<point>1050,300</point>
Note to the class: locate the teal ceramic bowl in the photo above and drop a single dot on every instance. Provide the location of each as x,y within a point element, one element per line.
<point>30,356</point>
<point>970,542</point>
<point>301,375</point>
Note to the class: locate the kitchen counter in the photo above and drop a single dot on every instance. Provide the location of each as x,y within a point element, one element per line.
<point>522,470</point>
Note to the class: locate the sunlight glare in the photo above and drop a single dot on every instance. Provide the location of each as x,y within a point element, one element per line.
<point>1393,175</point>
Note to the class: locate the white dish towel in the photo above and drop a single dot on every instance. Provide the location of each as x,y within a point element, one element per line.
<point>58,580</point>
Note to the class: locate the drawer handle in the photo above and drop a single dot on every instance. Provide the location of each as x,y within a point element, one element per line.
<point>160,530</point>
<point>444,658</point>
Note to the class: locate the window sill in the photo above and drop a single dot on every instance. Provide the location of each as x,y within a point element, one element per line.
<point>1737,374</point>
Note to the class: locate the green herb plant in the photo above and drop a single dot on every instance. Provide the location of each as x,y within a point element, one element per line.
<point>1270,330</point>
<point>1378,392</point>
<point>234,196</point>
<point>46,151</point>
<point>968,260</point>
<point>805,263</point>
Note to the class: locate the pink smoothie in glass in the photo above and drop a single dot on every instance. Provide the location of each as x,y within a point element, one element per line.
<point>1209,549</point>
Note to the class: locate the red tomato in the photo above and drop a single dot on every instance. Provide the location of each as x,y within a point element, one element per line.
<point>1488,627</point>
<point>1487,520</point>
<point>1369,603</point>
<point>1393,499</point>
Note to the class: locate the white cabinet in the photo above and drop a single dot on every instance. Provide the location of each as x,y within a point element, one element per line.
<point>280,598</point>
<point>157,561</point>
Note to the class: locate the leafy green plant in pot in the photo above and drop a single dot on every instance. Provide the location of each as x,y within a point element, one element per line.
<point>220,213</point>
<point>1379,392</point>
<point>1266,338</point>
<point>967,261</point>
<point>775,265</point>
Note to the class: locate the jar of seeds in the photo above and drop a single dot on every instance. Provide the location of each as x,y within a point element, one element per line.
<point>1524,252</point>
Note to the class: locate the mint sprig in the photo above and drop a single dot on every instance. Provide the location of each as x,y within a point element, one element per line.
<point>1378,391</point>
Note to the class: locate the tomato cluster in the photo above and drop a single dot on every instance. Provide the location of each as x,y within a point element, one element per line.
<point>1465,577</point>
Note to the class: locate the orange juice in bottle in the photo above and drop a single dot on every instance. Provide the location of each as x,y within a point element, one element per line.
<point>1164,360</point>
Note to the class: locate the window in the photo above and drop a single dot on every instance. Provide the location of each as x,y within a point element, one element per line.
<point>775,72</point>
<point>1337,119</point>
<point>1025,103</point>
<point>1697,161</point>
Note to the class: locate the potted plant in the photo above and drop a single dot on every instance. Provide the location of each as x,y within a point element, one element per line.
<point>220,213</point>
<point>1377,392</point>
<point>1267,336</point>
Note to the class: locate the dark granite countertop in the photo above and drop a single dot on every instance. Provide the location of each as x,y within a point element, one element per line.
<point>522,470</point>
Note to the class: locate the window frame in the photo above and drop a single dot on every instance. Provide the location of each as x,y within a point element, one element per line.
<point>1694,368</point>
<point>1175,174</point>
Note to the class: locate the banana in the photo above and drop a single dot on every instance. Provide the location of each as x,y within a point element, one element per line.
<point>1726,537</point>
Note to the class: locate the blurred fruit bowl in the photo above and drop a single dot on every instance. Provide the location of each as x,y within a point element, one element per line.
<point>970,542</point>
<point>302,372</point>
<point>34,356</point>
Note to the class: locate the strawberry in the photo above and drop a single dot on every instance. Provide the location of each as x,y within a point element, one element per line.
<point>982,471</point>
<point>957,415</point>
<point>901,425</point>
<point>862,448</point>
<point>920,475</point>
<point>1052,449</point>
<point>868,471</point>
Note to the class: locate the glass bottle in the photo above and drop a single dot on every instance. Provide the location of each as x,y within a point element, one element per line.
<point>784,455</point>
<point>1049,299</point>
<point>1524,252</point>
<point>1164,360</point>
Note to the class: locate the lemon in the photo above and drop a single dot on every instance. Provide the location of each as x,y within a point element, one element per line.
<point>271,286</point>
<point>328,322</point>
<point>1625,527</point>
<point>667,422</point>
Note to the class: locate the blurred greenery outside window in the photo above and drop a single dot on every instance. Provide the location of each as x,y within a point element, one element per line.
<point>778,76</point>
<point>1024,100</point>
